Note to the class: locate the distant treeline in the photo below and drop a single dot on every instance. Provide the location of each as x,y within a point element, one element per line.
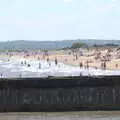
<point>83,45</point>
<point>106,45</point>
<point>53,45</point>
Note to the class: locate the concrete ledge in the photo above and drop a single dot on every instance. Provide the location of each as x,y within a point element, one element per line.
<point>60,94</point>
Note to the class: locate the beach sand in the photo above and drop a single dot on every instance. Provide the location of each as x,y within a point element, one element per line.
<point>69,58</point>
<point>64,57</point>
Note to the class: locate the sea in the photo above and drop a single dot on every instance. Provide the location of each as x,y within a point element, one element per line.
<point>17,68</point>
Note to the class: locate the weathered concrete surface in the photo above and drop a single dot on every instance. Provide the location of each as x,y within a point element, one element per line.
<point>86,115</point>
<point>51,94</point>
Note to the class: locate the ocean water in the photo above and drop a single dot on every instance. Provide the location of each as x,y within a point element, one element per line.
<point>14,68</point>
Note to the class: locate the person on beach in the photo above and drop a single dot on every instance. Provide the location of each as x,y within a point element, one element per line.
<point>76,56</point>
<point>116,65</point>
<point>38,58</point>
<point>81,65</point>
<point>28,65</point>
<point>25,62</point>
<point>104,65</point>
<point>56,62</point>
<point>21,62</point>
<point>20,75</point>
<point>47,60</point>
<point>87,64</point>
<point>1,75</point>
<point>49,64</point>
<point>39,65</point>
<point>80,74</point>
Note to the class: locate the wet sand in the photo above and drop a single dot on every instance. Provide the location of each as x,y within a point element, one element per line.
<point>12,67</point>
<point>97,115</point>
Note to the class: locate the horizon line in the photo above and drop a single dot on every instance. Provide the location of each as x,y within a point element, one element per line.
<point>60,40</point>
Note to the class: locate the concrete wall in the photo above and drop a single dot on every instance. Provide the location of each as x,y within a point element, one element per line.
<point>15,97</point>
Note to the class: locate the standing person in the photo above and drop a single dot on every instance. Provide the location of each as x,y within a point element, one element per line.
<point>116,65</point>
<point>21,62</point>
<point>101,65</point>
<point>87,66</point>
<point>25,62</point>
<point>38,58</point>
<point>80,74</point>
<point>56,61</point>
<point>39,65</point>
<point>47,59</point>
<point>20,75</point>
<point>28,65</point>
<point>81,65</point>
<point>1,75</point>
<point>104,65</point>
<point>76,56</point>
<point>49,64</point>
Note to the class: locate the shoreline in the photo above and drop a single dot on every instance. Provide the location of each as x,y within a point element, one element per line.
<point>91,57</point>
<point>91,71</point>
<point>94,64</point>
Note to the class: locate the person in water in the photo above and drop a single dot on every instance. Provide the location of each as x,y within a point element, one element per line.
<point>20,76</point>
<point>1,74</point>
<point>21,62</point>
<point>25,62</point>
<point>87,64</point>
<point>56,61</point>
<point>47,59</point>
<point>80,74</point>
<point>81,65</point>
<point>39,65</point>
<point>49,64</point>
<point>28,65</point>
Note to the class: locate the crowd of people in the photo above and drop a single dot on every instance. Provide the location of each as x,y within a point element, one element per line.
<point>96,58</point>
<point>103,57</point>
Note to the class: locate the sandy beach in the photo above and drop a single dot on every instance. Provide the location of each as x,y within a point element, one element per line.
<point>68,57</point>
<point>59,63</point>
